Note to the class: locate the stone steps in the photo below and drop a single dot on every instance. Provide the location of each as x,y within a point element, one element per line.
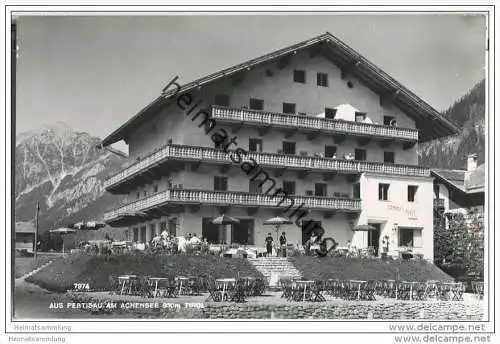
<point>275,267</point>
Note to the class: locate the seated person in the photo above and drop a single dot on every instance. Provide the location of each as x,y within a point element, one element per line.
<point>194,240</point>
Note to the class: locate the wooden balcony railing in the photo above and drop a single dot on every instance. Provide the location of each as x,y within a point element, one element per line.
<point>330,126</point>
<point>242,199</point>
<point>271,160</point>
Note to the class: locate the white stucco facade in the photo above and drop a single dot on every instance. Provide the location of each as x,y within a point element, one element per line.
<point>274,86</point>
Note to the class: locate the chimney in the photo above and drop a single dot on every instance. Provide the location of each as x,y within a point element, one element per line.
<point>471,162</point>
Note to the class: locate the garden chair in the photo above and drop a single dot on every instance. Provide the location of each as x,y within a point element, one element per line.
<point>170,288</point>
<point>380,288</point>
<point>420,291</point>
<point>444,292</point>
<point>196,285</point>
<point>391,289</point>
<point>230,292</point>
<point>297,293</point>
<point>403,291</point>
<point>143,287</point>
<point>457,292</point>
<point>259,287</point>
<point>250,286</point>
<point>238,294</point>
<point>478,289</point>
<point>368,290</point>
<point>432,289</point>
<point>350,291</point>
<point>317,288</point>
<point>215,293</point>
<point>114,285</point>
<point>286,286</point>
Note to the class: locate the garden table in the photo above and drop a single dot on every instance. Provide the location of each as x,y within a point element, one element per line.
<point>357,283</point>
<point>304,284</point>
<point>225,282</point>
<point>155,280</point>
<point>127,279</point>
<point>180,280</point>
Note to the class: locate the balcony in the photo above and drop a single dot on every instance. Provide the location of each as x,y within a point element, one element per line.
<point>314,124</point>
<point>266,160</point>
<point>147,206</point>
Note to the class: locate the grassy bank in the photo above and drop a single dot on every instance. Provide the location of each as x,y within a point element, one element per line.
<point>365,269</point>
<point>24,265</point>
<point>95,270</point>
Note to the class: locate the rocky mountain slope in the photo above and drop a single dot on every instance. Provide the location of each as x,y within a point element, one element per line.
<point>468,114</point>
<point>64,171</point>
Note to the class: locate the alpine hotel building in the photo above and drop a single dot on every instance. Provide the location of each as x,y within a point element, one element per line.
<point>330,135</point>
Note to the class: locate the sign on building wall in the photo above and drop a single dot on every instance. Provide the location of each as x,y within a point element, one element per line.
<point>411,213</point>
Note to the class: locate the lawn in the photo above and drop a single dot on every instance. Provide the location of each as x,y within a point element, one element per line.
<point>95,270</point>
<point>314,268</point>
<point>24,265</point>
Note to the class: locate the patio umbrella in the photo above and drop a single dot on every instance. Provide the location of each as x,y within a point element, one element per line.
<point>277,221</point>
<point>63,231</point>
<point>224,220</point>
<point>88,226</point>
<point>363,228</point>
<point>78,225</point>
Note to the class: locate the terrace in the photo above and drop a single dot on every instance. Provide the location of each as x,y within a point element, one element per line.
<point>154,164</point>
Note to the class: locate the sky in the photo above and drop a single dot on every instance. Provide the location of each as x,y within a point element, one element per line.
<point>94,73</point>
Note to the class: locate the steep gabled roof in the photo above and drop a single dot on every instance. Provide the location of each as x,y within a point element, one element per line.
<point>460,181</point>
<point>430,122</point>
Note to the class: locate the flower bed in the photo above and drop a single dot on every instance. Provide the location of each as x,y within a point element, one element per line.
<point>95,270</point>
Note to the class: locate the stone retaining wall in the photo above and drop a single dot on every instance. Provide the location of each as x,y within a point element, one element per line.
<point>404,310</point>
<point>358,310</point>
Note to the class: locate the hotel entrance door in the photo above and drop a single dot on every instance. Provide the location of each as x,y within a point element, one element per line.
<point>243,232</point>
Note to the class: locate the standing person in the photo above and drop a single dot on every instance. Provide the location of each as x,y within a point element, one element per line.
<point>283,244</point>
<point>269,244</point>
